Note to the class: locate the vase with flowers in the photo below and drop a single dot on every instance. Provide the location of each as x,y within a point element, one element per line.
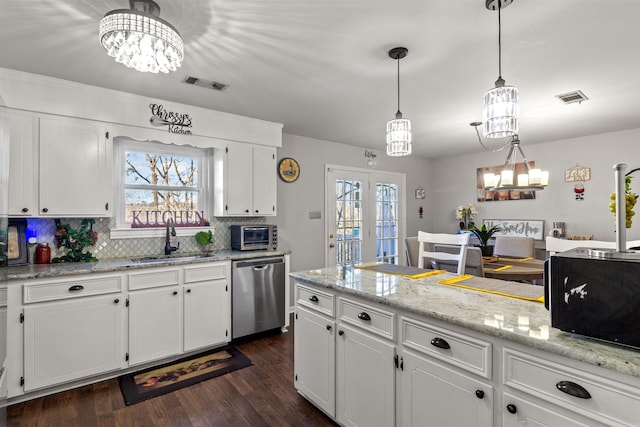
<point>484,234</point>
<point>465,214</point>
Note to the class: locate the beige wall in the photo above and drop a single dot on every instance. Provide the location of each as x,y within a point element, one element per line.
<point>451,181</point>
<point>455,184</point>
<point>304,236</point>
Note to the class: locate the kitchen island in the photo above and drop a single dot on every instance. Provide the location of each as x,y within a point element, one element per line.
<point>382,349</point>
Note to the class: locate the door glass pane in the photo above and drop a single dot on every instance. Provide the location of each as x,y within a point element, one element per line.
<point>349,218</point>
<point>387,223</point>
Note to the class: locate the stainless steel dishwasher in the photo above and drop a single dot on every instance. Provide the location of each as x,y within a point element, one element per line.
<point>257,295</point>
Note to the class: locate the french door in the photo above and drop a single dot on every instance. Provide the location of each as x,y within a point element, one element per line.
<point>365,219</point>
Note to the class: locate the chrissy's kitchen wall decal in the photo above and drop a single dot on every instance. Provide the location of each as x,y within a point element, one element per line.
<point>175,122</point>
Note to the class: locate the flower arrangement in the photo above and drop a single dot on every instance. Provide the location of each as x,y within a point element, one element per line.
<point>75,241</point>
<point>465,214</point>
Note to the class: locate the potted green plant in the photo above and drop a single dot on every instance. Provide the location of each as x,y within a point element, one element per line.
<point>484,234</point>
<point>204,239</point>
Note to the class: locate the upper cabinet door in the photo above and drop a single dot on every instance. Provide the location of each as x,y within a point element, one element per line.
<point>23,165</point>
<point>264,181</point>
<point>75,168</point>
<point>238,181</point>
<point>245,181</point>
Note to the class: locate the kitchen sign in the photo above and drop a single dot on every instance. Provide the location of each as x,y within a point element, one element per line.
<point>148,219</point>
<point>176,122</point>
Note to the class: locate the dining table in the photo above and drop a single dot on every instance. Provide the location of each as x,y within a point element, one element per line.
<point>513,268</point>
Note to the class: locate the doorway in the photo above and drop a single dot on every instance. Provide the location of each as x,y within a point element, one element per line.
<point>365,216</point>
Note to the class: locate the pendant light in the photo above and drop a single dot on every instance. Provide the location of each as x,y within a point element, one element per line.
<point>399,129</point>
<point>139,39</point>
<point>500,112</point>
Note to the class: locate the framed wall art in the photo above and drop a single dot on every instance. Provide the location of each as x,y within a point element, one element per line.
<point>518,227</point>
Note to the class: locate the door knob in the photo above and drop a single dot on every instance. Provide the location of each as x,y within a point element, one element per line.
<point>331,235</point>
<point>331,245</point>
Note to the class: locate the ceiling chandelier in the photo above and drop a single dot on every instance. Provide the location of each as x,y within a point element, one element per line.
<point>500,112</point>
<point>139,39</point>
<point>399,129</point>
<point>512,177</point>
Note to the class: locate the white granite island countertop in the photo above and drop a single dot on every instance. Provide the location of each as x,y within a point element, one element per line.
<point>524,322</point>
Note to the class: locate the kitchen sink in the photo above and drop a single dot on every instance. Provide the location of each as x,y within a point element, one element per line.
<point>158,259</point>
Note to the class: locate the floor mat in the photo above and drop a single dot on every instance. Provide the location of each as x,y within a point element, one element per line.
<point>159,380</point>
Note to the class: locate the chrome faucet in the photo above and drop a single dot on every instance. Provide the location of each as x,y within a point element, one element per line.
<point>170,238</point>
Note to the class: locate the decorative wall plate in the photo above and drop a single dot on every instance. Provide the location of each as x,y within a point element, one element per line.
<point>288,169</point>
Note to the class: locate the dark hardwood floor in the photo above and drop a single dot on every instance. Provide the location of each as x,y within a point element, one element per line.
<point>259,395</point>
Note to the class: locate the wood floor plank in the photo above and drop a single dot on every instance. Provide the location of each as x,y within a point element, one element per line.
<point>259,395</point>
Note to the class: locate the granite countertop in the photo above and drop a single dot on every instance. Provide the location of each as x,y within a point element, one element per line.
<point>523,322</point>
<point>34,271</point>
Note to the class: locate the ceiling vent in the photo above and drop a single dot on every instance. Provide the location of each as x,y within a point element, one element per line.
<point>209,84</point>
<point>571,97</point>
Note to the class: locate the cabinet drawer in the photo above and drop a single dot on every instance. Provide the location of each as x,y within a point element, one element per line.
<point>154,278</point>
<point>44,290</point>
<point>611,402</point>
<point>369,318</point>
<point>316,300</point>
<point>3,297</point>
<point>466,352</point>
<point>205,272</point>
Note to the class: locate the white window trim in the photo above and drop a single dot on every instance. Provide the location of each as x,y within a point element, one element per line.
<point>121,145</point>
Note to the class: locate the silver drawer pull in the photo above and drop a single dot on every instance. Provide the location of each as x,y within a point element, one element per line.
<point>573,389</point>
<point>76,288</point>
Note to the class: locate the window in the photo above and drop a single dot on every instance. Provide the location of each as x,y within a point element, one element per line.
<point>155,182</point>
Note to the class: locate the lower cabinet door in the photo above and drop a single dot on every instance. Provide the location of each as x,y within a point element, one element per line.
<point>365,379</point>
<point>523,413</point>
<point>68,340</point>
<point>315,359</point>
<point>207,314</point>
<point>435,395</point>
<point>154,324</point>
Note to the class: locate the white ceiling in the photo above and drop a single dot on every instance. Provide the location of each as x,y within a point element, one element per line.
<point>322,69</point>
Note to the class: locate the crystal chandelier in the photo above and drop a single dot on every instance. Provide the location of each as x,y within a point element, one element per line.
<point>512,179</point>
<point>139,39</point>
<point>500,112</point>
<point>399,129</point>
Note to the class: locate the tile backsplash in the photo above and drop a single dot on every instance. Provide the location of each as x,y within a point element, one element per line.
<point>44,230</point>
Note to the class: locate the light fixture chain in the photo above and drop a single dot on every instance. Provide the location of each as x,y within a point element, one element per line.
<point>499,41</point>
<point>398,61</point>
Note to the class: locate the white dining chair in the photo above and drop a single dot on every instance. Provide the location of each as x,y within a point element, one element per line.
<point>429,240</point>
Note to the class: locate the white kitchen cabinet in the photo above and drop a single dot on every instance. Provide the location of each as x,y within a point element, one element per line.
<point>315,361</point>
<point>569,392</point>
<point>207,306</point>
<point>245,181</point>
<point>75,168</point>
<point>520,412</point>
<point>23,165</point>
<point>365,370</point>
<point>72,329</point>
<point>365,379</point>
<point>155,324</point>
<point>436,395</point>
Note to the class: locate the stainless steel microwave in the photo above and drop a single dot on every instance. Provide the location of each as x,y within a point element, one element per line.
<point>254,237</point>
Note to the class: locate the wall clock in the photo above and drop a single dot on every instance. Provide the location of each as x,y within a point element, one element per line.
<point>288,169</point>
